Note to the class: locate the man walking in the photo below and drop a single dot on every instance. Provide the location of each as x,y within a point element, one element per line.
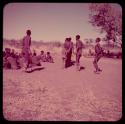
<point>98,55</point>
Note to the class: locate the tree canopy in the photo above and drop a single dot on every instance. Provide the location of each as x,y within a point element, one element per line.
<point>108,19</point>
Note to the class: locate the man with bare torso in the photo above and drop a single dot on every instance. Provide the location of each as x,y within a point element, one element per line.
<point>26,48</point>
<point>98,55</point>
<point>79,47</point>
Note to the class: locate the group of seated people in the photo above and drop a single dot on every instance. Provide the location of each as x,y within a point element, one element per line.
<point>15,60</point>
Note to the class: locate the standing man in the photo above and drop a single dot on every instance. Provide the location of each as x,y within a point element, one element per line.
<point>79,47</point>
<point>98,55</point>
<point>26,48</point>
<point>68,46</point>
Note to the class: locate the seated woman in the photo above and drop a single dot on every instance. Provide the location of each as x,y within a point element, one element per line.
<point>35,60</point>
<point>49,58</point>
<point>43,56</point>
<point>12,61</point>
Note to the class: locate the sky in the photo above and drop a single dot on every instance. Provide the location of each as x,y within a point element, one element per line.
<point>48,21</point>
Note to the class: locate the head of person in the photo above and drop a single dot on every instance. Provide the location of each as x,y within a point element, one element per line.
<point>42,52</point>
<point>98,40</point>
<point>69,39</point>
<point>34,54</point>
<point>48,53</point>
<point>77,37</point>
<point>66,39</point>
<point>28,32</point>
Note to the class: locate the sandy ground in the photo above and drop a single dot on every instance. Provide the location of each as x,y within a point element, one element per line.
<point>56,94</point>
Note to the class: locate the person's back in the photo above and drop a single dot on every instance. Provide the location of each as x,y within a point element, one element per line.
<point>67,45</point>
<point>21,61</point>
<point>35,60</point>
<point>12,62</point>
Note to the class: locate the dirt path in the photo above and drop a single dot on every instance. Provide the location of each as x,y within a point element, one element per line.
<point>64,94</point>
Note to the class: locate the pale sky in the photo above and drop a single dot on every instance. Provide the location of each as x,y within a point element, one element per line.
<point>48,21</point>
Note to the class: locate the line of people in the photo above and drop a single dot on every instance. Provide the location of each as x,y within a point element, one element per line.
<point>28,59</point>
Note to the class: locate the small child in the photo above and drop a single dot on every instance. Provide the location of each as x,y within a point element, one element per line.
<point>49,58</point>
<point>43,56</point>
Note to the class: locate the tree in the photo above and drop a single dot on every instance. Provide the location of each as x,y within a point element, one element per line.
<point>108,19</point>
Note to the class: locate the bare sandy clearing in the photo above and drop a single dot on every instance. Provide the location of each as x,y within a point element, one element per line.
<point>64,94</point>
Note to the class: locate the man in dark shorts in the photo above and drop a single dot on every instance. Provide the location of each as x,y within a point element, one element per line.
<point>98,55</point>
<point>79,47</point>
<point>26,48</point>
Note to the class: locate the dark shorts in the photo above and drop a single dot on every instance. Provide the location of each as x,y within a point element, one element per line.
<point>97,57</point>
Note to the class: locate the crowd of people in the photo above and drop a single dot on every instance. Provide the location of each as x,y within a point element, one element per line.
<point>15,60</point>
<point>68,49</point>
<point>27,59</point>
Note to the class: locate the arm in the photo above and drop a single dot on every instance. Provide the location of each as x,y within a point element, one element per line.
<point>30,42</point>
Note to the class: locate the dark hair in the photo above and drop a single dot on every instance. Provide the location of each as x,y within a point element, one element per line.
<point>77,36</point>
<point>66,39</point>
<point>42,51</point>
<point>34,54</point>
<point>48,52</point>
<point>28,32</point>
<point>7,50</point>
<point>98,39</point>
<point>69,39</point>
